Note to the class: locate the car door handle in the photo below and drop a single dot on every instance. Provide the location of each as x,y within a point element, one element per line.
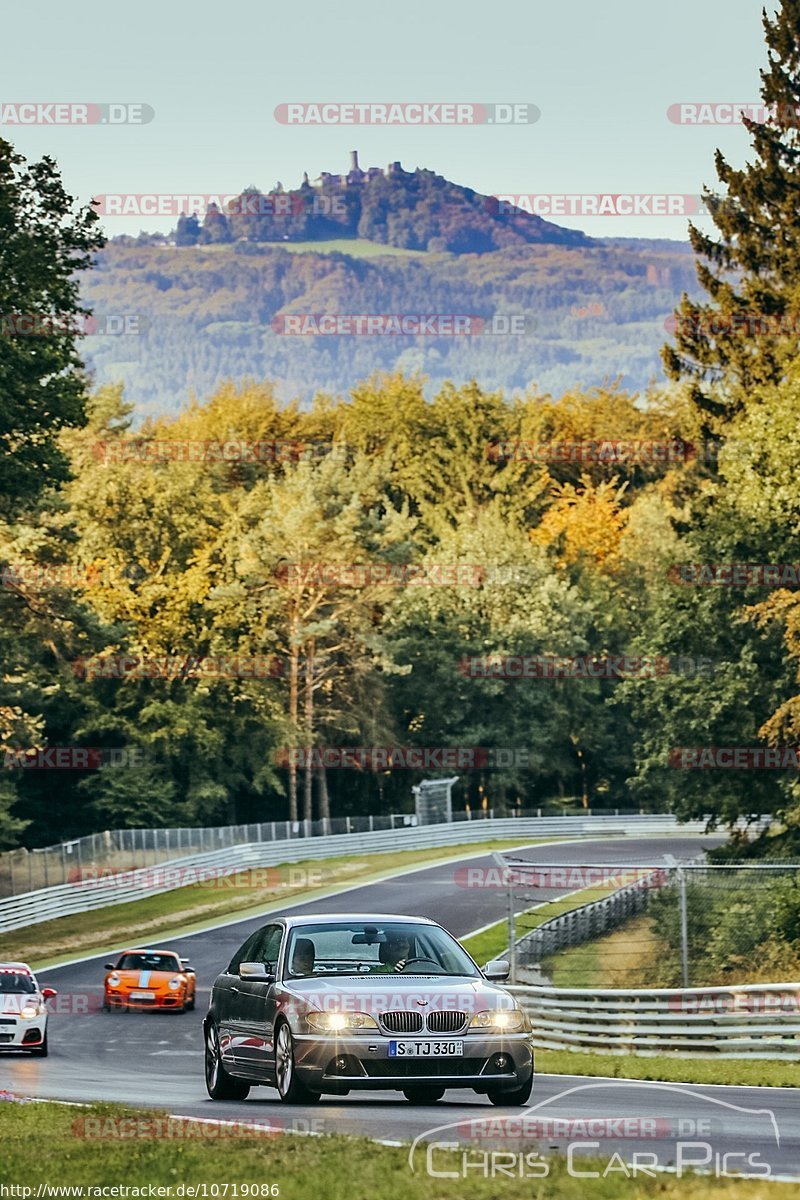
<point>235,989</point>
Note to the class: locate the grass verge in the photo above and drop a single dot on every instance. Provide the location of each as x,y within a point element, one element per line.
<point>627,957</point>
<point>493,942</point>
<point>185,909</point>
<point>691,1069</point>
<point>42,1144</point>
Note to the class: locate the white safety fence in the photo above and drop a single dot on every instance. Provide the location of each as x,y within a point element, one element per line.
<point>755,1021</point>
<point>46,904</point>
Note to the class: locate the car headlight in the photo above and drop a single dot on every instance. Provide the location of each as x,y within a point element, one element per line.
<point>338,1022</point>
<point>174,984</point>
<point>113,980</point>
<point>500,1020</point>
<point>29,1010</point>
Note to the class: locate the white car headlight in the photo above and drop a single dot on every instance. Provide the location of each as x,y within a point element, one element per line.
<point>174,984</point>
<point>338,1022</point>
<point>500,1020</point>
<point>29,1010</point>
<point>113,980</point>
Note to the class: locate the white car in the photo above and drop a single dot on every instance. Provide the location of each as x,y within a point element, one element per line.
<point>23,1009</point>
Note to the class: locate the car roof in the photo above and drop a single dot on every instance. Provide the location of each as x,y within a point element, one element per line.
<point>360,918</point>
<point>141,950</point>
<point>15,966</point>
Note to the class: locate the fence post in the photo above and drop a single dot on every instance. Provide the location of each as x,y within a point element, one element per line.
<point>684,927</point>
<point>512,933</point>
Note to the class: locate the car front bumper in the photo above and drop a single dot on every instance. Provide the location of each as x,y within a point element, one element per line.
<point>166,1000</point>
<point>337,1064</point>
<point>22,1033</point>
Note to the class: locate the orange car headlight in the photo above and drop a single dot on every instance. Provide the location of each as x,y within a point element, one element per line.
<point>175,983</point>
<point>113,981</point>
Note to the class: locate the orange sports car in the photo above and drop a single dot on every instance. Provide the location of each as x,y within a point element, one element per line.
<point>149,979</point>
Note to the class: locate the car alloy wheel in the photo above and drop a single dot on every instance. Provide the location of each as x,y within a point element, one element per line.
<point>219,1084</point>
<point>290,1088</point>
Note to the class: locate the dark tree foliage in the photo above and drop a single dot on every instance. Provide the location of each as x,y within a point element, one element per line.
<point>741,337</point>
<point>44,242</point>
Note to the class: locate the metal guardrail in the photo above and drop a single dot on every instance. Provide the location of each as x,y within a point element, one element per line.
<point>756,1021</point>
<point>24,870</point>
<point>579,925</point>
<point>47,904</point>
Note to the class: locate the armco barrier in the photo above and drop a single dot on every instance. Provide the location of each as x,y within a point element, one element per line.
<point>752,1021</point>
<point>579,925</point>
<point>46,904</point>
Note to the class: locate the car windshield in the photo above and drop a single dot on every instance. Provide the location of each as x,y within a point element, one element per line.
<point>16,981</point>
<point>374,948</point>
<point>149,962</point>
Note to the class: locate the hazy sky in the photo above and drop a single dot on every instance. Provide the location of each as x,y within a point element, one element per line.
<point>603,76</point>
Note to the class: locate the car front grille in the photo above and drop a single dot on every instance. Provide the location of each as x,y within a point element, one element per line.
<point>446,1021</point>
<point>402,1022</point>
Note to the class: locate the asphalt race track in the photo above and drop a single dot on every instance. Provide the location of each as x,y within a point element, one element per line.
<point>156,1059</point>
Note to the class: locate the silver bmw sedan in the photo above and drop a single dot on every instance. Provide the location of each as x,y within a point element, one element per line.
<point>332,1004</point>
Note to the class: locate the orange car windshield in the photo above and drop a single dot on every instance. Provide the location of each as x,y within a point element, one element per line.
<point>149,962</point>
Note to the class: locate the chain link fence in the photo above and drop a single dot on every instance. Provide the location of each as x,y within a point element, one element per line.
<point>668,925</point>
<point>25,870</point>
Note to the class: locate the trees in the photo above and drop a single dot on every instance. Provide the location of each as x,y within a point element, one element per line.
<point>743,335</point>
<point>43,243</point>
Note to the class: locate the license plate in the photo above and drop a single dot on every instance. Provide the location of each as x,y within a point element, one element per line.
<point>428,1049</point>
<point>143,995</point>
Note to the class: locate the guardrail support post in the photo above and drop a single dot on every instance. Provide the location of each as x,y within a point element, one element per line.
<point>684,927</point>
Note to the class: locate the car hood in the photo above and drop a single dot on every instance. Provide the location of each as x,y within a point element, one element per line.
<point>395,992</point>
<point>144,978</point>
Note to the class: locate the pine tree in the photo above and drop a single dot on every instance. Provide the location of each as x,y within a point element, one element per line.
<point>742,337</point>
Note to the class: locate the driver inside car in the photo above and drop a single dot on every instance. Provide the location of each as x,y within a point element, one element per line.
<point>303,957</point>
<point>392,954</point>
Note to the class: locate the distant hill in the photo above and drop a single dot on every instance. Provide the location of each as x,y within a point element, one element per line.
<point>219,298</point>
<point>217,312</point>
<point>411,210</point>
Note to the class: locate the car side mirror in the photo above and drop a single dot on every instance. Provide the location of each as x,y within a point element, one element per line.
<point>109,967</point>
<point>497,969</point>
<point>257,971</point>
<point>48,993</point>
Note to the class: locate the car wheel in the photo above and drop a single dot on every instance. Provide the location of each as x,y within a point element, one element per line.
<point>423,1095</point>
<point>290,1089</point>
<point>189,1005</point>
<point>40,1051</point>
<point>219,1084</point>
<point>518,1096</point>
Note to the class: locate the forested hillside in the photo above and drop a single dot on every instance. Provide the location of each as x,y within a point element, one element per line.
<point>206,315</point>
